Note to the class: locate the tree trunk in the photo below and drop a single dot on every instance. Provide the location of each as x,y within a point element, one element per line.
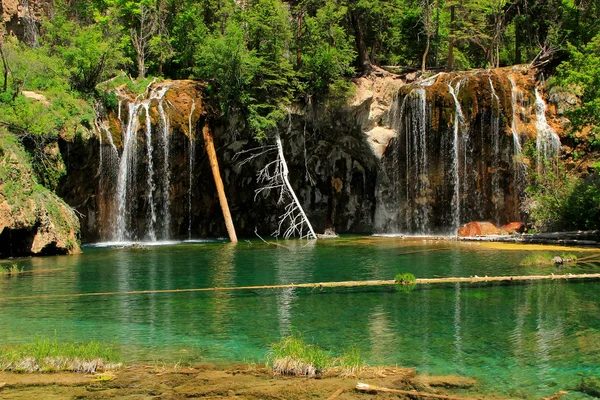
<point>6,68</point>
<point>517,41</point>
<point>451,44</point>
<point>214,165</point>
<point>299,35</point>
<point>437,33</point>
<point>424,62</point>
<point>363,54</point>
<point>141,66</point>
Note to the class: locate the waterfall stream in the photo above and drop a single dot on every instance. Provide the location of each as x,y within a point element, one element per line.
<point>547,141</point>
<point>156,198</point>
<point>190,167</point>
<point>458,121</point>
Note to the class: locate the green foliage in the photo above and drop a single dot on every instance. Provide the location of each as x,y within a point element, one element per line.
<point>537,259</point>
<point>559,201</point>
<point>9,270</point>
<point>581,76</point>
<point>91,53</point>
<point>57,109</point>
<point>246,67</point>
<point>406,282</point>
<point>50,355</point>
<point>327,53</point>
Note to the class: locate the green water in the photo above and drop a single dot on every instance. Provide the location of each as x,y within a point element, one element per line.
<point>520,340</point>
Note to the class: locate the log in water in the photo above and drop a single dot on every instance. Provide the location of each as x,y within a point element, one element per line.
<point>320,285</point>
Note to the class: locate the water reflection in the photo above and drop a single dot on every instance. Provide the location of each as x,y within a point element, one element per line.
<point>539,337</point>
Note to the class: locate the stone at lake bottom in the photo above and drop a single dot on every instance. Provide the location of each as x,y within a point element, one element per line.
<point>477,229</point>
<point>513,227</point>
<point>446,381</point>
<point>590,386</point>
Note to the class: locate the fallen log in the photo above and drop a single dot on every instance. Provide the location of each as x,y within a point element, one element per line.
<point>336,394</point>
<point>214,165</point>
<point>321,285</point>
<point>364,387</point>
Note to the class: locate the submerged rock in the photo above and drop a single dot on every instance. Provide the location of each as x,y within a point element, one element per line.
<point>477,229</point>
<point>590,385</point>
<point>446,381</point>
<point>328,234</point>
<point>513,227</point>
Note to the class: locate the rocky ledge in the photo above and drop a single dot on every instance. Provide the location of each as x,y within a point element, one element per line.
<point>33,220</point>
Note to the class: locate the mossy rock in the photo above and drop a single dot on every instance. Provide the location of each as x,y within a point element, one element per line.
<point>590,385</point>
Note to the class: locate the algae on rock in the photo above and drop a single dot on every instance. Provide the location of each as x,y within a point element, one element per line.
<point>33,220</point>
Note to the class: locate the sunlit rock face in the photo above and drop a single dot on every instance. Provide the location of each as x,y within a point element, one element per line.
<point>145,175</point>
<point>22,18</point>
<point>459,151</point>
<point>415,158</point>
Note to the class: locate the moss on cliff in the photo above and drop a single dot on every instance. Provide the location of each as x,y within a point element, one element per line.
<point>33,220</point>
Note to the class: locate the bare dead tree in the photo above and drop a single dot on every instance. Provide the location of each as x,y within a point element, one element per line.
<point>428,28</point>
<point>274,176</point>
<point>142,35</point>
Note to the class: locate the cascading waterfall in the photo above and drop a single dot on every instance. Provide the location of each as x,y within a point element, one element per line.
<point>497,193</point>
<point>164,125</point>
<point>151,234</point>
<point>126,174</point>
<point>547,141</point>
<point>453,159</point>
<point>458,121</point>
<point>157,205</point>
<point>190,167</point>
<point>418,208</point>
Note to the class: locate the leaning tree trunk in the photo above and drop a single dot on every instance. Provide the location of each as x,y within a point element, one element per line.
<point>363,53</point>
<point>451,43</point>
<point>286,181</point>
<point>214,165</point>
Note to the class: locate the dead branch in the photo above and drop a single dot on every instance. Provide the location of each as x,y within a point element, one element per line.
<point>363,387</point>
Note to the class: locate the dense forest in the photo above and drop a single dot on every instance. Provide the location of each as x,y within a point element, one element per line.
<point>260,56</point>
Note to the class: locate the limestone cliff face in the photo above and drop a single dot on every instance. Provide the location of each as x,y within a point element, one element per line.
<point>386,162</point>
<point>33,220</point>
<point>22,18</point>
<point>165,182</point>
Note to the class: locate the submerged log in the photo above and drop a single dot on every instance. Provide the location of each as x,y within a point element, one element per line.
<point>214,165</point>
<point>420,281</point>
<point>364,387</point>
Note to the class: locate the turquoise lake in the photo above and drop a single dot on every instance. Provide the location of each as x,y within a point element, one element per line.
<point>519,340</point>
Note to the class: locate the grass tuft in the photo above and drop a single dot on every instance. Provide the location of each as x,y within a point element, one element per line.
<point>10,270</point>
<point>52,356</point>
<point>406,282</point>
<point>293,356</point>
<point>548,259</point>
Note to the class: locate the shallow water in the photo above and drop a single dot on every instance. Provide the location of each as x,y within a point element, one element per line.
<point>520,340</point>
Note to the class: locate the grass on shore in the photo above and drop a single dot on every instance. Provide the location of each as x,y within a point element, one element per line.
<point>50,356</point>
<point>293,356</point>
<point>547,259</point>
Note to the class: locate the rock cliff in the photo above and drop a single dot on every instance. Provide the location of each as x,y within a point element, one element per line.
<point>33,220</point>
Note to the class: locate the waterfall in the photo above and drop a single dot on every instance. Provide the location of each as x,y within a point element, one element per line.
<point>547,142</point>
<point>453,159</point>
<point>458,120</point>
<point>157,204</point>
<point>515,95</point>
<point>497,193</point>
<point>166,173</point>
<point>190,167</point>
<point>151,216</point>
<point>126,173</point>
<point>418,208</point>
